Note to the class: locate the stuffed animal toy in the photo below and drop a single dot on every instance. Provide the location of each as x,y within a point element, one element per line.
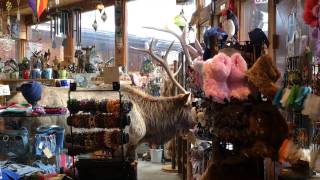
<point>311,13</point>
<point>237,82</point>
<point>264,74</point>
<point>216,73</point>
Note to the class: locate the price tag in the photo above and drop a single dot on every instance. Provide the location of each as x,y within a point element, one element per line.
<point>47,153</point>
<point>4,90</point>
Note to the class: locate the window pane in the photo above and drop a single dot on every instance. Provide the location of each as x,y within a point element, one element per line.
<point>254,15</point>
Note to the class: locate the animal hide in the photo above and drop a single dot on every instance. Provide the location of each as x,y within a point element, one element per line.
<point>157,119</point>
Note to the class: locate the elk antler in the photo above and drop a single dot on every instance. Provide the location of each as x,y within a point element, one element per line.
<point>163,63</point>
<point>182,40</point>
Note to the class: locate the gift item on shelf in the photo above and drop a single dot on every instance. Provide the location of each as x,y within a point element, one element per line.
<point>49,138</point>
<point>264,74</point>
<point>107,106</point>
<point>18,171</point>
<point>101,120</point>
<point>99,140</point>
<point>14,143</point>
<point>17,109</point>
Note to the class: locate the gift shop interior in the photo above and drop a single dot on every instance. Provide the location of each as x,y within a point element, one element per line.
<point>159,89</point>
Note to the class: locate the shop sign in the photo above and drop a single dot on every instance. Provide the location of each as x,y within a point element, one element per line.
<point>261,1</point>
<point>4,90</point>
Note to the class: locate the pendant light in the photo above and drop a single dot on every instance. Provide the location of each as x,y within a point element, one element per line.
<point>100,6</point>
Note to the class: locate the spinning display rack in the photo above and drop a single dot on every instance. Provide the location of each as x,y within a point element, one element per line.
<point>111,117</point>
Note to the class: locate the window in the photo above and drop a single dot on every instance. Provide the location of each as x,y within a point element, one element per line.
<point>254,15</point>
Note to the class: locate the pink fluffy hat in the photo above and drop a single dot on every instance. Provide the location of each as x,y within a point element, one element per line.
<point>237,82</point>
<point>216,73</point>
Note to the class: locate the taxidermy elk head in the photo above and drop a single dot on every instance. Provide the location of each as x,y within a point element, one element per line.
<point>157,119</point>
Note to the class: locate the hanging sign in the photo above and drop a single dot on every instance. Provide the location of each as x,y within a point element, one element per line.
<point>4,90</point>
<point>261,1</point>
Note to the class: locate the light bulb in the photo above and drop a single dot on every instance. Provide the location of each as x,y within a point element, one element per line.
<point>100,7</point>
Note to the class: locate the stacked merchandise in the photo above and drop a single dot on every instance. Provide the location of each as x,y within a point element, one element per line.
<point>102,124</point>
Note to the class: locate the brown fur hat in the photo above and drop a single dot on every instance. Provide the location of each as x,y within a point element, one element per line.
<point>263,74</point>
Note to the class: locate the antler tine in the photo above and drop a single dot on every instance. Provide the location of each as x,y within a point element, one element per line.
<point>163,63</point>
<point>168,51</point>
<point>178,70</point>
<point>182,40</point>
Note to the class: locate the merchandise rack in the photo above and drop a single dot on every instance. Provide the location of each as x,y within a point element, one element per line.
<point>103,166</point>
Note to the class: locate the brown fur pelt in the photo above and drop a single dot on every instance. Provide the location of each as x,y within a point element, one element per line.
<point>160,116</point>
<point>263,74</point>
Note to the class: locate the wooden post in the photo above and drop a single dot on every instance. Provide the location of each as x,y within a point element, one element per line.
<point>120,32</point>
<point>173,158</point>
<point>272,28</point>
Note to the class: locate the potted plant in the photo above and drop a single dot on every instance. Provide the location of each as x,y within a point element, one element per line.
<point>24,67</point>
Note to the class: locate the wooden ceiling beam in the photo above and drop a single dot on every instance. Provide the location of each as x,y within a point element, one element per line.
<point>84,5</point>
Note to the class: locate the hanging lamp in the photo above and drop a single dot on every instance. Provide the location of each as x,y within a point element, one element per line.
<point>100,6</point>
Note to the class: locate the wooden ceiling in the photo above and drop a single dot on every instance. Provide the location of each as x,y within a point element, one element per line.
<point>25,10</point>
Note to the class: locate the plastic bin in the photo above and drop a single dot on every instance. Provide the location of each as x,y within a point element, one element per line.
<point>156,155</point>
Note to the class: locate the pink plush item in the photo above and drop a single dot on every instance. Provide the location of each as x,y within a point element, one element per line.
<point>216,73</point>
<point>198,68</point>
<point>237,82</point>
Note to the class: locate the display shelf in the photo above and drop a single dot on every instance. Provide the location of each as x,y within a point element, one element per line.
<point>109,142</point>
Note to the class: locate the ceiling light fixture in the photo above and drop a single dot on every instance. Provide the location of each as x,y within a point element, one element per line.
<point>100,6</point>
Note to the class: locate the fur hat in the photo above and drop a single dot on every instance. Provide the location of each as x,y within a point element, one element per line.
<point>216,73</point>
<point>263,74</point>
<point>237,79</point>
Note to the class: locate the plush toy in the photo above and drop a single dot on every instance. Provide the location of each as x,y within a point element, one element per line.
<point>216,73</point>
<point>311,13</point>
<point>237,82</point>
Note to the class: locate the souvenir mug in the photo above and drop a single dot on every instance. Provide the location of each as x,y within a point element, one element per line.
<point>35,73</point>
<point>63,74</point>
<point>47,73</point>
<point>14,75</point>
<point>25,74</point>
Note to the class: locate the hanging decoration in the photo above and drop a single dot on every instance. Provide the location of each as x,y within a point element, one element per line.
<point>9,7</point>
<point>77,17</point>
<point>60,25</point>
<point>18,12</point>
<point>95,24</point>
<point>104,16</point>
<point>38,6</point>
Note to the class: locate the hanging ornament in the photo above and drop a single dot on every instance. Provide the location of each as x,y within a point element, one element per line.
<point>9,7</point>
<point>104,16</point>
<point>95,25</point>
<point>18,12</point>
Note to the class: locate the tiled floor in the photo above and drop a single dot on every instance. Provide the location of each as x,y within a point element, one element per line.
<point>152,171</point>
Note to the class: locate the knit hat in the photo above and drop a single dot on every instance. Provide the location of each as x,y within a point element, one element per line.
<point>216,73</point>
<point>237,79</point>
<point>31,91</point>
<point>263,74</point>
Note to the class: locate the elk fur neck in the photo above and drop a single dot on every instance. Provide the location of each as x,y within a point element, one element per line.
<point>162,116</point>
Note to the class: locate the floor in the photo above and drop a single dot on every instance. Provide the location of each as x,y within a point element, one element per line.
<point>148,171</point>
